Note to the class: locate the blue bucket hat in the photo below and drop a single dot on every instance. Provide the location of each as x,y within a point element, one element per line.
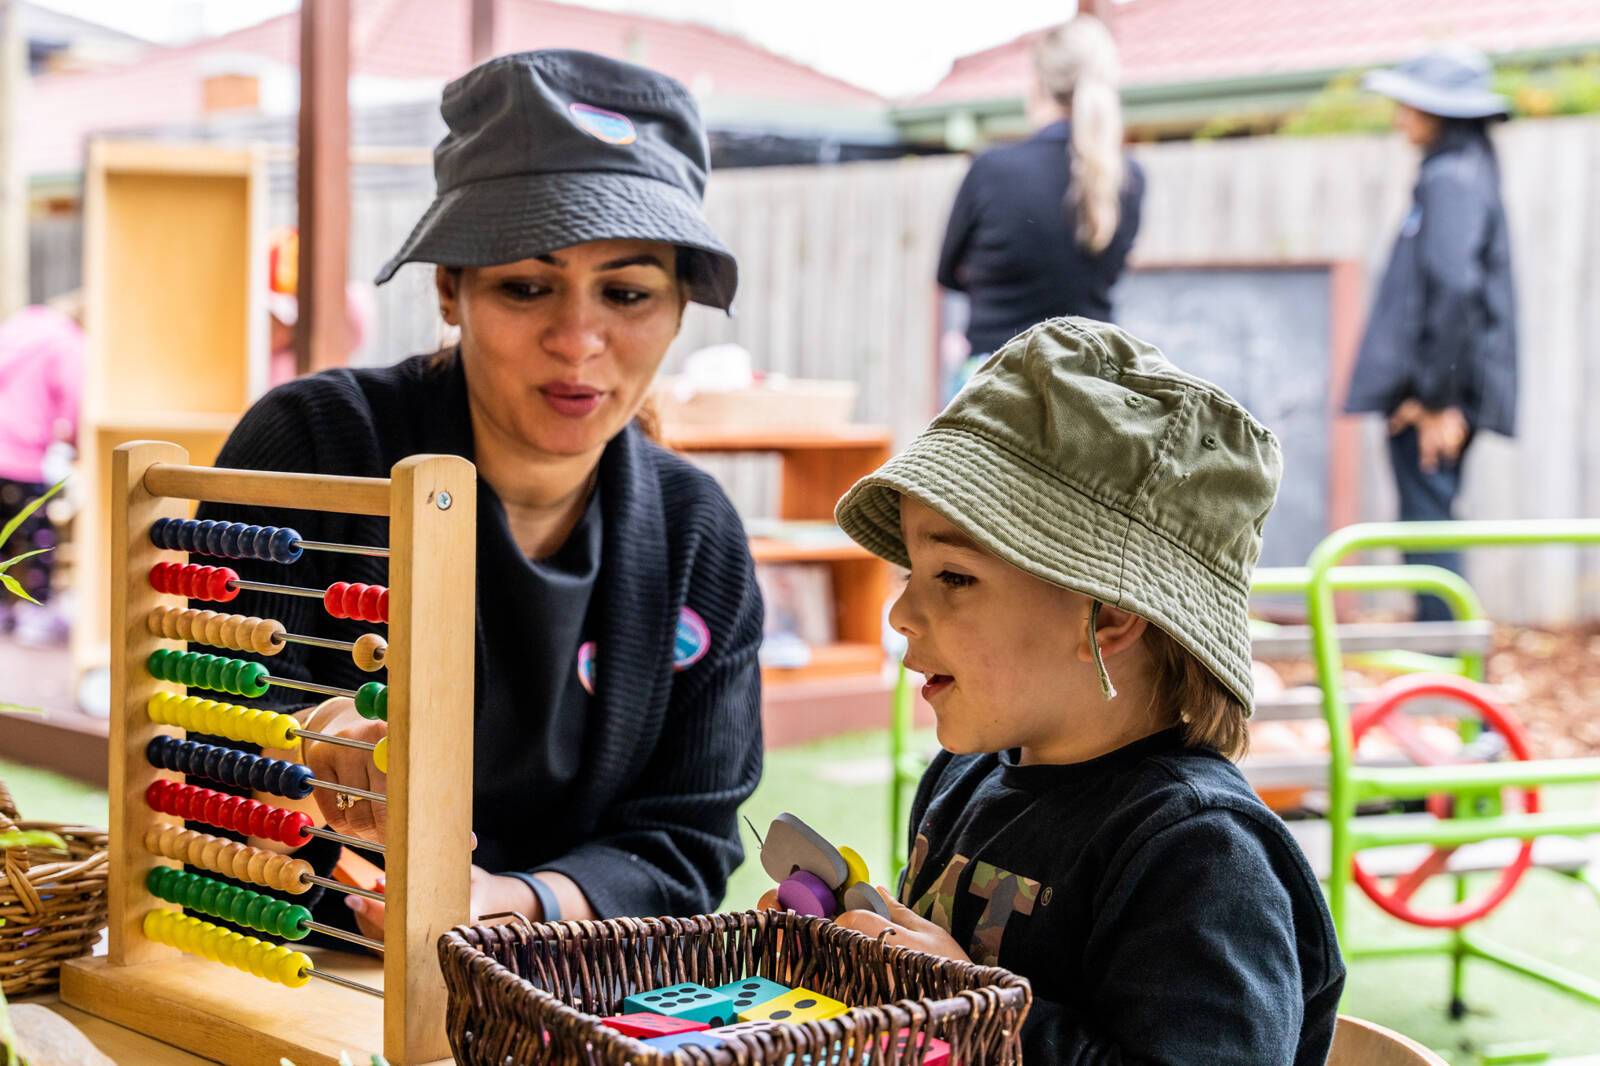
<point>554,148</point>
<point>1451,82</point>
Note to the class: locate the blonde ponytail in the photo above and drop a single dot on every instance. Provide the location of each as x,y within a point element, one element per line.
<point>1077,65</point>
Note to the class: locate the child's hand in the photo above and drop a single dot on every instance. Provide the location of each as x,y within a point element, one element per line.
<point>907,929</point>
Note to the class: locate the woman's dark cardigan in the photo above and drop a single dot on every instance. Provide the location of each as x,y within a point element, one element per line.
<point>649,824</point>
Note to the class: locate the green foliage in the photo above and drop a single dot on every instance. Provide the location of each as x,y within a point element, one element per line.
<point>11,583</point>
<point>1571,87</point>
<point>1342,107</point>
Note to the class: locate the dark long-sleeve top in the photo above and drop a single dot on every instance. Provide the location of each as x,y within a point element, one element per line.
<point>1162,914</point>
<point>1013,248</point>
<point>632,793</point>
<point>1442,329</point>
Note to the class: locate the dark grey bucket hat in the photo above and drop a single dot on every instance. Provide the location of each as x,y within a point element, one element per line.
<point>1452,82</point>
<point>554,148</point>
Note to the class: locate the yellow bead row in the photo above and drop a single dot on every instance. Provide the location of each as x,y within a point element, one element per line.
<point>271,869</point>
<point>273,962</point>
<point>251,725</point>
<point>237,632</point>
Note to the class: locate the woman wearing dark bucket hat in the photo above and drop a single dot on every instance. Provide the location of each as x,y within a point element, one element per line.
<point>617,719</point>
<point>1439,358</point>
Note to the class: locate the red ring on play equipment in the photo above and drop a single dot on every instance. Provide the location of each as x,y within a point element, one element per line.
<point>1380,710</point>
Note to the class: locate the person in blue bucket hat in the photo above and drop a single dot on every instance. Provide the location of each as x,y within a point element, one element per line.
<point>616,693</point>
<point>1439,356</point>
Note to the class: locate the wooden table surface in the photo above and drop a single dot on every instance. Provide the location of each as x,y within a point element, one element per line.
<point>123,1046</point>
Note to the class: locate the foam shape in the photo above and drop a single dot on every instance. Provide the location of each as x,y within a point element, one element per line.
<point>804,893</point>
<point>687,1000</point>
<point>793,845</point>
<point>751,991</point>
<point>645,1025</point>
<point>699,1038</point>
<point>863,897</point>
<point>794,1007</point>
<point>857,866</point>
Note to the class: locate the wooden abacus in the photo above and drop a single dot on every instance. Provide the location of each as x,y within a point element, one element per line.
<point>162,974</point>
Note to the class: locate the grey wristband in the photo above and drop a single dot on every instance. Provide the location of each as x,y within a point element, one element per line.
<point>546,896</point>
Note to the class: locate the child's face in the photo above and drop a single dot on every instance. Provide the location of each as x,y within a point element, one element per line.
<point>1006,655</point>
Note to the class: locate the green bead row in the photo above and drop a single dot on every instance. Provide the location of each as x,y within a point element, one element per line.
<point>239,677</point>
<point>372,701</point>
<point>254,910</point>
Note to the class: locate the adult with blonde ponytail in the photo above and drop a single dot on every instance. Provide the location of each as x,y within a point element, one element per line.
<point>1042,228</point>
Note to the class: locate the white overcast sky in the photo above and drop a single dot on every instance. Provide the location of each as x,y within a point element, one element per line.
<point>895,47</point>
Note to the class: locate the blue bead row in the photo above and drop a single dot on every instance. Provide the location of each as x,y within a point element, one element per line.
<point>230,766</point>
<point>227,540</point>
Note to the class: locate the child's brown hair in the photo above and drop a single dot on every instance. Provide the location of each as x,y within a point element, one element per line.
<point>1212,716</point>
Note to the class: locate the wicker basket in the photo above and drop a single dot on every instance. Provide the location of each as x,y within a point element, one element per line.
<point>53,903</point>
<point>523,994</point>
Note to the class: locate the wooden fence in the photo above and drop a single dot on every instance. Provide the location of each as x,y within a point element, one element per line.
<point>837,268</point>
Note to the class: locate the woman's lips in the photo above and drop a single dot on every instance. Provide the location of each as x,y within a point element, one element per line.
<point>571,401</point>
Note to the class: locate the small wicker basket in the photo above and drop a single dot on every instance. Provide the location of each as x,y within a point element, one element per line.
<point>523,994</point>
<point>52,902</point>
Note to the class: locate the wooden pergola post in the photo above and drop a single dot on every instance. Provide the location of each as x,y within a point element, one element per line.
<point>482,30</point>
<point>321,333</point>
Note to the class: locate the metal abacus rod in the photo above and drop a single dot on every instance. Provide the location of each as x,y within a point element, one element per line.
<point>229,766</point>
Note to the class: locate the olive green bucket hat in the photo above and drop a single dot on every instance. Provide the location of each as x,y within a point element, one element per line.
<point>1081,456</point>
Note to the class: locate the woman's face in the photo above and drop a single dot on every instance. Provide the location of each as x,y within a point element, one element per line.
<point>560,350</point>
<point>1418,127</point>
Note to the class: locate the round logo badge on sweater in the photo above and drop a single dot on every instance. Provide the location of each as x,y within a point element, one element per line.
<point>603,125</point>
<point>586,666</point>
<point>690,640</point>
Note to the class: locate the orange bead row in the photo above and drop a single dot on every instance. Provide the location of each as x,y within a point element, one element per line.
<point>237,632</point>
<point>242,862</point>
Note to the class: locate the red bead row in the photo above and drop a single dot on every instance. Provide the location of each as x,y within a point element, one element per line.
<point>216,583</point>
<point>365,603</point>
<point>237,813</point>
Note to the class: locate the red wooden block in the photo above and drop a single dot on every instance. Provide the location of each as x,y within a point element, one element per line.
<point>645,1026</point>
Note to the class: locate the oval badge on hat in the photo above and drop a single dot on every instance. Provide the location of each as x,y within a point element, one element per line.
<point>690,640</point>
<point>603,125</point>
<point>586,666</point>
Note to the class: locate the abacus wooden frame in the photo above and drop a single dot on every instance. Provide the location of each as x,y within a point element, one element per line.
<point>431,504</point>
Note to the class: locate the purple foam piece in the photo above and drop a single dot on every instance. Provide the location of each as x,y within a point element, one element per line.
<point>806,893</point>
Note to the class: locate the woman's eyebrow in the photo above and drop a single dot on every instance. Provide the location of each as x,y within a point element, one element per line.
<point>642,259</point>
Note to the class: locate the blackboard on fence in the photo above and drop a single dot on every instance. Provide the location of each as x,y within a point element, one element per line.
<point>1278,338</point>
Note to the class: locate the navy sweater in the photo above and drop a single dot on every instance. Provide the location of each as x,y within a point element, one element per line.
<point>1012,248</point>
<point>647,825</point>
<point>1161,912</point>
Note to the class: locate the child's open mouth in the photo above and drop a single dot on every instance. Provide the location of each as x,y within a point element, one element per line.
<point>933,684</point>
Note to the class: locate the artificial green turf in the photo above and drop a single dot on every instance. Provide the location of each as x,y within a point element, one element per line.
<point>840,786</point>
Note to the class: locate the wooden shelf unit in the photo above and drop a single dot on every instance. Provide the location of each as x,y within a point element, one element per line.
<point>175,260</point>
<point>817,467</point>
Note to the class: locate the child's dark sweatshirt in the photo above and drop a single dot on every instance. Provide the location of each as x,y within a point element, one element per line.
<point>1161,912</point>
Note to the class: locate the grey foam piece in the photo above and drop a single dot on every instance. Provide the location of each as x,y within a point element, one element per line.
<point>863,897</point>
<point>792,844</point>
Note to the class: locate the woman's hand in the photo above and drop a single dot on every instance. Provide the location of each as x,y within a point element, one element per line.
<point>906,928</point>
<point>491,894</point>
<point>1440,434</point>
<point>347,766</point>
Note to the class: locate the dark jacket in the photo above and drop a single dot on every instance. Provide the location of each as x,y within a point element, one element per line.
<point>1160,911</point>
<point>644,814</point>
<point>1443,328</point>
<point>1013,248</point>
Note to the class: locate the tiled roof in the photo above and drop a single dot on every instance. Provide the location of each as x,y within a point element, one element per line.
<point>399,40</point>
<point>1176,41</point>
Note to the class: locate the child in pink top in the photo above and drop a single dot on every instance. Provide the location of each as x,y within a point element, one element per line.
<point>41,380</point>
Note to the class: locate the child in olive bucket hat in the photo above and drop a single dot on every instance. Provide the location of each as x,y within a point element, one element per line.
<point>1080,526</point>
